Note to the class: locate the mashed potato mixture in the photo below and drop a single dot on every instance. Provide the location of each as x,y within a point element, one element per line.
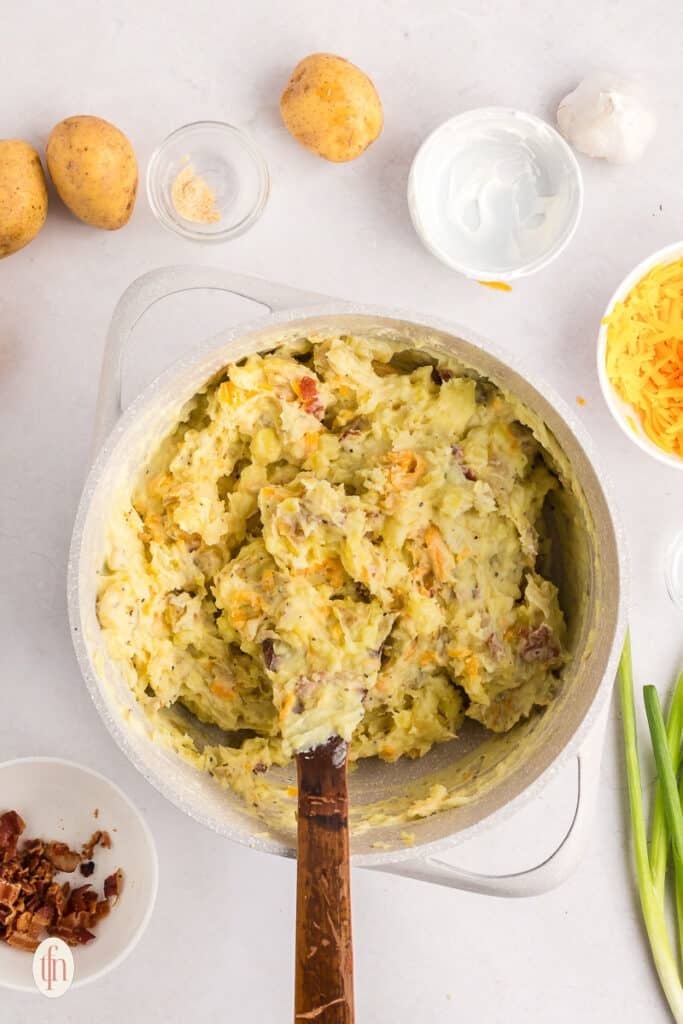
<point>335,540</point>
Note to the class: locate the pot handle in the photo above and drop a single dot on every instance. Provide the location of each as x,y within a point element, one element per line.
<point>551,872</point>
<point>159,284</point>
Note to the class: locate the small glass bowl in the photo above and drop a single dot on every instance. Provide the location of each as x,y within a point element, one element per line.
<point>227,159</point>
<point>674,570</point>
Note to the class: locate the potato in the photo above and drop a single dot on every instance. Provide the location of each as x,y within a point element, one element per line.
<point>23,195</point>
<point>94,170</point>
<point>331,107</point>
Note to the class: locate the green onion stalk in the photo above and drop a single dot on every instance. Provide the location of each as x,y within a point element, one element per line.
<point>667,827</point>
<point>659,840</point>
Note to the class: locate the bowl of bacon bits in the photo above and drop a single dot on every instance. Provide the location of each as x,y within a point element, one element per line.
<point>77,864</point>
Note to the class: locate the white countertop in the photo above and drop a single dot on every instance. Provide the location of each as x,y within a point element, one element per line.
<point>220,940</point>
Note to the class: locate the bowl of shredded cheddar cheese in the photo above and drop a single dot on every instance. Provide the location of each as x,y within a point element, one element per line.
<point>640,355</point>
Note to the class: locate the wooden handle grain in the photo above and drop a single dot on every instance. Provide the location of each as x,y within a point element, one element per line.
<point>323,988</point>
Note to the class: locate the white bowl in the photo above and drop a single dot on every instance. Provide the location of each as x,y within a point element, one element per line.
<point>474,127</point>
<point>623,413</point>
<point>57,800</point>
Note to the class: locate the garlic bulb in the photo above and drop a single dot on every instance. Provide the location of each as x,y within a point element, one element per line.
<point>606,117</point>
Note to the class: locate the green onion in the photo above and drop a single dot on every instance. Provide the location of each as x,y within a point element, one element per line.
<point>651,897</point>
<point>665,770</point>
<point>659,839</point>
<point>659,842</point>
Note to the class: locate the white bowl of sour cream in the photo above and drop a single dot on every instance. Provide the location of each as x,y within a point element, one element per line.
<point>495,193</point>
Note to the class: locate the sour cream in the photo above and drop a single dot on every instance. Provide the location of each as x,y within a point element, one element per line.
<point>495,193</point>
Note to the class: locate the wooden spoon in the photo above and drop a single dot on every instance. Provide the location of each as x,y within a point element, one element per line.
<point>323,987</point>
<point>324,955</point>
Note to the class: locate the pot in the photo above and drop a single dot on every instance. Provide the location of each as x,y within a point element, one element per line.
<point>497,774</point>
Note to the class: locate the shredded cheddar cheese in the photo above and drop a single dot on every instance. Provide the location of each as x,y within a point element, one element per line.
<point>500,286</point>
<point>644,359</point>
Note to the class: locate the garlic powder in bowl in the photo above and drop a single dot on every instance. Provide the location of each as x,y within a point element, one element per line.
<point>193,197</point>
<point>208,182</point>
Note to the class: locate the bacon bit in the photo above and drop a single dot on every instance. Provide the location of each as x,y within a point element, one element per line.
<point>9,893</point>
<point>22,941</point>
<point>102,908</point>
<point>73,936</point>
<point>405,469</point>
<point>539,645</point>
<point>440,557</point>
<point>33,904</point>
<point>76,919</point>
<point>354,428</point>
<point>307,390</point>
<point>11,827</point>
<point>57,895</point>
<point>61,857</point>
<point>89,847</point>
<point>440,376</point>
<point>495,646</point>
<point>83,897</point>
<point>23,921</point>
<point>113,885</point>
<point>40,921</point>
<point>270,658</point>
<point>459,452</point>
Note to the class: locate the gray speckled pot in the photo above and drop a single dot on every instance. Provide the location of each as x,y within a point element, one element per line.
<point>502,773</point>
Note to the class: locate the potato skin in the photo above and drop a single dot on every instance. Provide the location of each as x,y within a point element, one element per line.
<point>94,170</point>
<point>331,107</point>
<point>23,195</point>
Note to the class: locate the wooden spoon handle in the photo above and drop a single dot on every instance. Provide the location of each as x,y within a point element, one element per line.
<point>323,989</point>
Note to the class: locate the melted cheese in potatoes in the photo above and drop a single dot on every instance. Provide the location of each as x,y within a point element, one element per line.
<point>335,542</point>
